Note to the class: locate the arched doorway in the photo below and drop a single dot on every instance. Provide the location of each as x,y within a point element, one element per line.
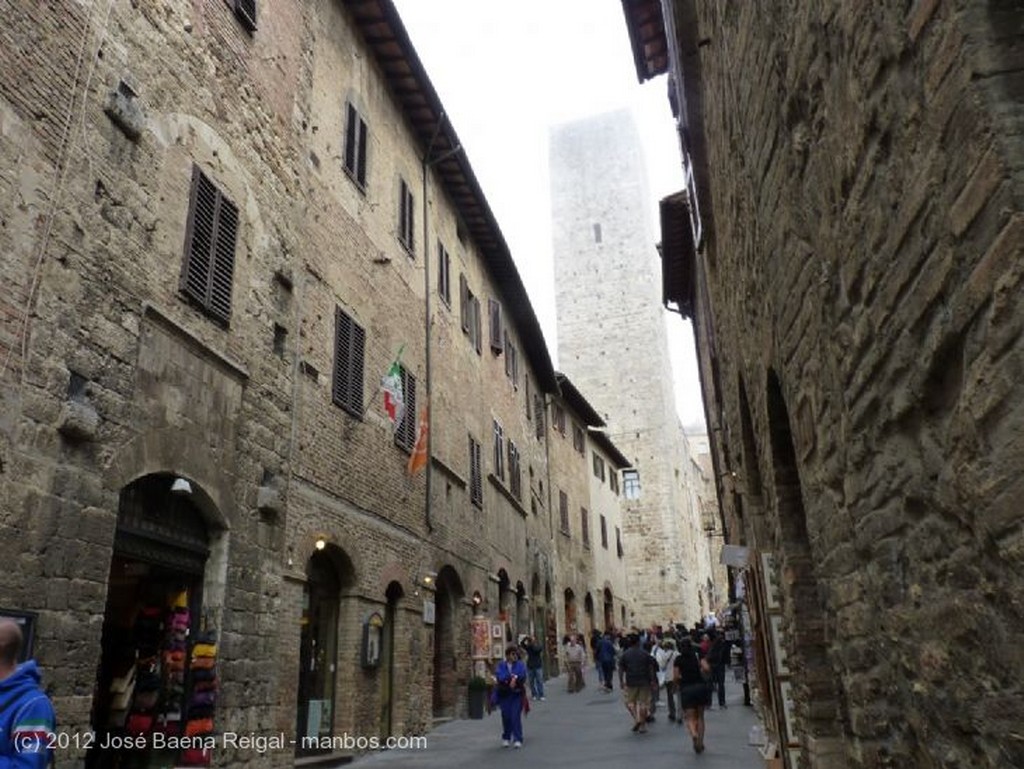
<point>522,612</point>
<point>393,594</point>
<point>818,714</point>
<point>570,612</point>
<point>504,598</point>
<point>588,611</point>
<point>329,572</point>
<point>166,531</point>
<point>551,646</point>
<point>609,609</point>
<point>447,600</point>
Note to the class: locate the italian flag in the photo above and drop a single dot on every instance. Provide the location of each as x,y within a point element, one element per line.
<point>394,398</point>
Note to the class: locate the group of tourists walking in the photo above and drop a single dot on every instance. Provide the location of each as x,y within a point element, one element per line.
<point>688,666</point>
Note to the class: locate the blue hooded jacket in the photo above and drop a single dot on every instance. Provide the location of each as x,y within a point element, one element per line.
<point>26,720</point>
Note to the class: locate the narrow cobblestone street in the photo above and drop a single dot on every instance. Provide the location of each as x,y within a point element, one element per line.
<point>588,729</point>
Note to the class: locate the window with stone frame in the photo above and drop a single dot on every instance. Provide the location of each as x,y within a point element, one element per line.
<point>538,413</point>
<point>211,233</point>
<point>585,527</point>
<point>511,362</point>
<point>406,218</point>
<point>496,327</point>
<point>631,484</point>
<point>613,479</point>
<point>469,312</point>
<point>444,274</point>
<point>563,512</point>
<point>558,418</point>
<point>355,147</point>
<point>476,485</point>
<point>499,451</point>
<point>515,472</point>
<point>598,467</point>
<point>349,352</point>
<point>578,441</point>
<point>618,541</point>
<point>604,532</point>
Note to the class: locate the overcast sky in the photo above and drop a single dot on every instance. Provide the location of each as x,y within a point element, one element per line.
<point>505,73</point>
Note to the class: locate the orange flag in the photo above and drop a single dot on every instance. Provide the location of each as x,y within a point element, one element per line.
<point>418,458</point>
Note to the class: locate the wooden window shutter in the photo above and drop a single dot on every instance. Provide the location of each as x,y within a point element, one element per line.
<point>464,311</point>
<point>477,326</point>
<point>351,138</point>
<point>349,353</point>
<point>494,314</point>
<point>402,197</point>
<point>405,435</point>
<point>210,240</point>
<point>245,10</point>
<point>508,357</point>
<point>361,155</point>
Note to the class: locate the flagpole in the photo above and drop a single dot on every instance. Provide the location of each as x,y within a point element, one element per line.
<point>427,163</point>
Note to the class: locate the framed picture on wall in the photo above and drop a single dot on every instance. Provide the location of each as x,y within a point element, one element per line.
<point>497,650</point>
<point>770,575</point>
<point>497,630</point>
<point>779,646</point>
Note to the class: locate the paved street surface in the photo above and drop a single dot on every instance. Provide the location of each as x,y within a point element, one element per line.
<point>587,729</point>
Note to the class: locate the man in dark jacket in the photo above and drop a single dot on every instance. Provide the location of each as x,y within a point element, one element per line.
<point>534,666</point>
<point>636,677</point>
<point>26,715</point>
<point>718,656</point>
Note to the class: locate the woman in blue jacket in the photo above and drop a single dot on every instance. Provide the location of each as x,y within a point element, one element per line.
<point>511,689</point>
<point>26,715</point>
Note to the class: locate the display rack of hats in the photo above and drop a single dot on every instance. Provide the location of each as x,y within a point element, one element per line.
<point>202,696</point>
<point>173,657</point>
<point>141,700</point>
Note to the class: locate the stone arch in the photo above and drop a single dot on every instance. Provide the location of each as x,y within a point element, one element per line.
<point>609,607</point>
<point>448,624</point>
<point>329,622</point>
<point>588,612</point>
<point>750,506</point>
<point>817,702</point>
<point>570,612</point>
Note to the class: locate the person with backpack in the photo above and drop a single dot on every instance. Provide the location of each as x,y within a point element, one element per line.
<point>26,714</point>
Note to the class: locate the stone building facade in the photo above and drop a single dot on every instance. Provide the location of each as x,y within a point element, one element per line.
<point>593,578</point>
<point>215,246</point>
<point>613,342</point>
<point>849,247</point>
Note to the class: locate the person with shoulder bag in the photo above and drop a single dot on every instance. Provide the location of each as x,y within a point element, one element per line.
<point>666,657</point>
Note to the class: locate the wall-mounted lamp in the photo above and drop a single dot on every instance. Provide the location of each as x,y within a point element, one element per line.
<point>477,598</point>
<point>429,578</point>
<point>181,486</point>
<point>321,543</point>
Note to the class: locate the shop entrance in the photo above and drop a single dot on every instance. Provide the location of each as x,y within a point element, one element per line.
<point>318,654</point>
<point>154,601</point>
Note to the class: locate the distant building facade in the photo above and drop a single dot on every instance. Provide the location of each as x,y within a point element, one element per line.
<point>612,340</point>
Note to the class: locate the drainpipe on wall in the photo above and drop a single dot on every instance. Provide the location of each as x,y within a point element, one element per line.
<point>426,164</point>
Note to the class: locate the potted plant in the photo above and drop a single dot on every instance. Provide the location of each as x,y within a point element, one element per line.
<point>478,688</point>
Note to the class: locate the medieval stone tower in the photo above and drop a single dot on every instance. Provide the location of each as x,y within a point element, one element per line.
<point>612,341</point>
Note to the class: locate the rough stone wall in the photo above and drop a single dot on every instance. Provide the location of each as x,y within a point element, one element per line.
<point>610,321</point>
<point>863,277</point>
<point>95,221</point>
